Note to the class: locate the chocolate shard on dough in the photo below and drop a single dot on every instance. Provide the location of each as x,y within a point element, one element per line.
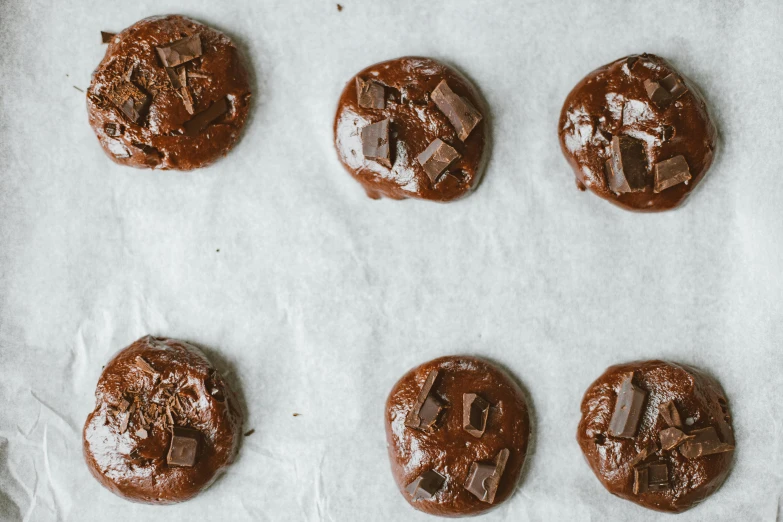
<point>654,477</point>
<point>425,412</point>
<point>425,485</point>
<point>462,115</point>
<point>375,142</point>
<point>647,451</point>
<point>181,51</point>
<point>370,94</point>
<point>671,172</point>
<point>183,448</point>
<point>627,410</point>
<point>484,477</point>
<point>659,95</point>
<point>436,158</point>
<point>704,442</point>
<point>475,411</point>
<point>175,76</point>
<point>112,129</point>
<point>674,85</point>
<point>670,414</point>
<point>107,37</point>
<point>201,120</point>
<point>672,437</point>
<point>628,172</point>
<point>131,100</point>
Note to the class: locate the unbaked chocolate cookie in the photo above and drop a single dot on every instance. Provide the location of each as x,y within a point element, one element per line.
<point>412,128</point>
<point>637,133</point>
<point>457,432</point>
<point>165,423</point>
<point>657,434</point>
<point>169,94</point>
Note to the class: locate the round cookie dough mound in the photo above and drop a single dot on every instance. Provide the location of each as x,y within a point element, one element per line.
<point>457,433</point>
<point>412,128</point>
<point>657,434</point>
<point>165,423</point>
<point>169,94</point>
<point>637,133</point>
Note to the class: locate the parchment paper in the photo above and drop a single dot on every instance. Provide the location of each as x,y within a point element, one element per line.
<point>315,299</point>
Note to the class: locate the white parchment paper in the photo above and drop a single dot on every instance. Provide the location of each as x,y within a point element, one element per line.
<point>314,299</point>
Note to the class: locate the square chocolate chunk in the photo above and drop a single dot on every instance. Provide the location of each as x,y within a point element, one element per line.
<point>370,94</point>
<point>671,172</point>
<point>475,411</point>
<point>425,485</point>
<point>627,410</point>
<point>628,172</point>
<point>131,100</point>
<point>462,115</point>
<point>375,142</point>
<point>184,447</point>
<point>181,51</point>
<point>436,158</point>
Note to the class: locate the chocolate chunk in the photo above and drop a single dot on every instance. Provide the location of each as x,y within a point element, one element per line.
<point>671,172</point>
<point>175,76</point>
<point>672,437</point>
<point>184,446</point>
<point>131,100</point>
<point>631,61</point>
<point>670,414</point>
<point>674,85</point>
<point>436,158</point>
<point>475,411</point>
<point>659,95</point>
<point>654,477</point>
<point>627,410</point>
<point>375,142</point>
<point>425,485</point>
<point>181,51</point>
<point>144,366</point>
<point>370,94</point>
<point>704,442</point>
<point>647,451</point>
<point>424,414</point>
<point>200,121</point>
<point>142,433</point>
<point>107,37</point>
<point>628,172</point>
<point>112,129</point>
<point>187,99</point>
<point>462,115</point>
<point>484,477</point>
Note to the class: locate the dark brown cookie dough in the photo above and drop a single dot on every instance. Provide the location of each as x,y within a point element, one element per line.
<point>165,423</point>
<point>412,128</point>
<point>637,133</point>
<point>657,434</point>
<point>457,432</point>
<point>169,94</point>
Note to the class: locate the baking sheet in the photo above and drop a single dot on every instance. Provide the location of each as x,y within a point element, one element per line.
<point>315,299</point>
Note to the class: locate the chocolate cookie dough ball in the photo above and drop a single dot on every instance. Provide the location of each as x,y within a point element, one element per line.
<point>457,431</point>
<point>657,434</point>
<point>637,133</point>
<point>165,423</point>
<point>412,128</point>
<point>169,94</point>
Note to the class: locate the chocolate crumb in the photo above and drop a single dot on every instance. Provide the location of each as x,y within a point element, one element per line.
<point>250,432</point>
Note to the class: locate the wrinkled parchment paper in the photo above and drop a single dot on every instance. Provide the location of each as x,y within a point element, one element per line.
<point>314,299</point>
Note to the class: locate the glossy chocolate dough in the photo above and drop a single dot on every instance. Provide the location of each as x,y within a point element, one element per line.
<point>136,468</point>
<point>450,450</point>
<point>617,95</point>
<point>695,395</point>
<point>157,140</point>
<point>414,125</point>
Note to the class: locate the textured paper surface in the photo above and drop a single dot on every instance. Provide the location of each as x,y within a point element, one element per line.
<point>315,299</point>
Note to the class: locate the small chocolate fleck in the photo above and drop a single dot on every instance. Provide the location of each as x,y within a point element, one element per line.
<point>484,477</point>
<point>426,485</point>
<point>436,158</point>
<point>144,366</point>
<point>297,414</point>
<point>370,94</point>
<point>339,7</point>
<point>425,412</point>
<point>671,172</point>
<point>181,51</point>
<point>112,129</point>
<point>106,38</point>
<point>250,432</point>
<point>183,448</point>
<point>375,142</point>
<point>462,115</point>
<point>475,411</point>
<point>704,442</point>
<point>627,409</point>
